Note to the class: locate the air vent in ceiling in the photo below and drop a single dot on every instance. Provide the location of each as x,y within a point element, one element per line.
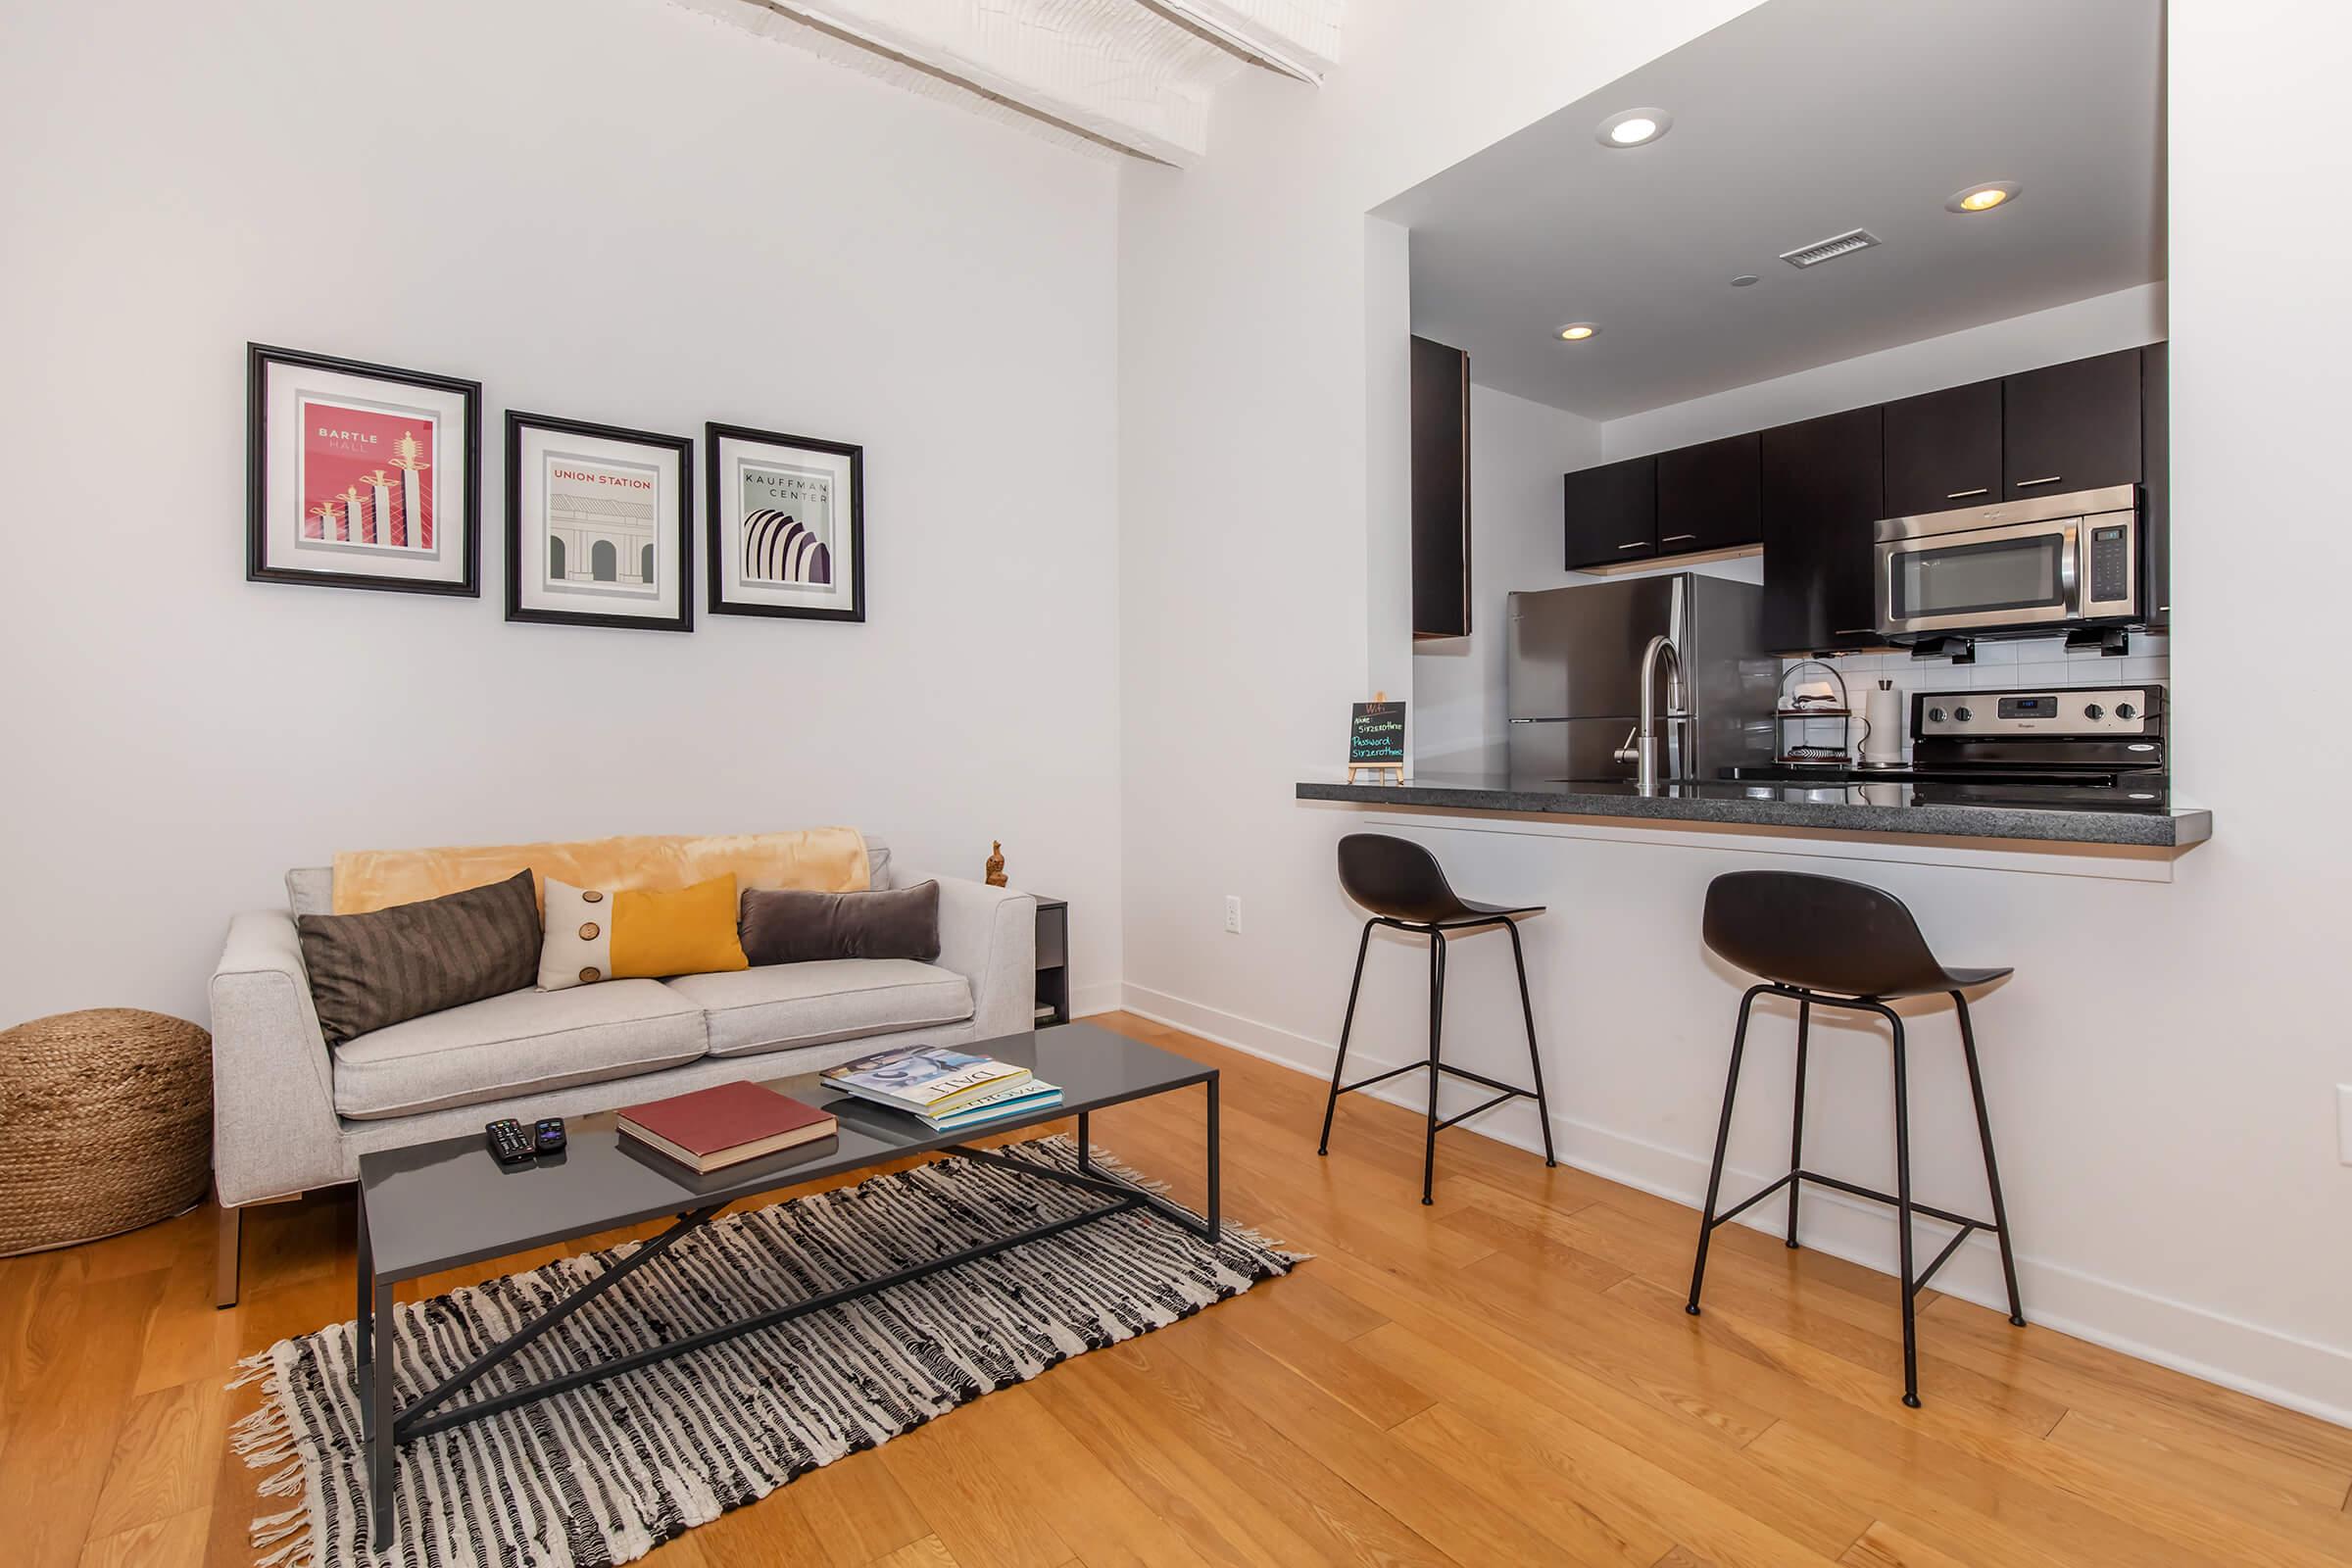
<point>1828,249</point>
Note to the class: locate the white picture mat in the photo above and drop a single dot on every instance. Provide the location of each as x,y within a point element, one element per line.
<point>537,448</point>
<point>281,532</point>
<point>841,594</point>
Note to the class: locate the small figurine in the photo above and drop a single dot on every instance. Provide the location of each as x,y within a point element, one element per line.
<point>996,863</point>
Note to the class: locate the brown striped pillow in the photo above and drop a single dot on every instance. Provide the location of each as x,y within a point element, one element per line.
<point>369,971</point>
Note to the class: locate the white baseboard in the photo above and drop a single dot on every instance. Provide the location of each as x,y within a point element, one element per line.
<point>2282,1368</point>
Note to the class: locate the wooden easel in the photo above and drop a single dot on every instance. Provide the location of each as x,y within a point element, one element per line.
<point>1376,769</point>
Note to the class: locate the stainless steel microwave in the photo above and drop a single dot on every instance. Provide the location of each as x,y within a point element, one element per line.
<point>2047,561</point>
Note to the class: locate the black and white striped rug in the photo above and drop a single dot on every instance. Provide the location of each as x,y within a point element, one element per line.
<point>605,1473</point>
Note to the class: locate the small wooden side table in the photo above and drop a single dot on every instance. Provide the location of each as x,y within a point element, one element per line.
<point>1052,961</point>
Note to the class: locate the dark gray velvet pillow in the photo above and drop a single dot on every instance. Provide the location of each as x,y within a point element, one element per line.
<point>787,926</point>
<point>369,971</point>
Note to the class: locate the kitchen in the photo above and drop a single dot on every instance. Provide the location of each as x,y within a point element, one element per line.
<point>1769,437</point>
<point>1943,609</point>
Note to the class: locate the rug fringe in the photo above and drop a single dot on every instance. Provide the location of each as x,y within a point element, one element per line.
<point>283,1482</point>
<point>254,1368</point>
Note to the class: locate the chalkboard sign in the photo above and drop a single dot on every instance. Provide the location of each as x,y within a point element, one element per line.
<point>1376,739</point>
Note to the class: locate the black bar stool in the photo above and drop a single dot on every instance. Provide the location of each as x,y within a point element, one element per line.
<point>1821,940</point>
<point>1405,889</point>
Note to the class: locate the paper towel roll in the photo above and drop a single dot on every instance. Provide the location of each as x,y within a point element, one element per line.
<point>1883,742</point>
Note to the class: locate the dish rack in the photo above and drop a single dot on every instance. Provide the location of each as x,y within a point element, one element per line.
<point>1786,710</point>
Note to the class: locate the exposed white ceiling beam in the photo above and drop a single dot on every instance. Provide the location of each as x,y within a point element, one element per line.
<point>1109,69</point>
<point>1297,38</point>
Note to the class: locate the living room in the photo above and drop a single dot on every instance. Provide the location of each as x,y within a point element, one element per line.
<point>1098,317</point>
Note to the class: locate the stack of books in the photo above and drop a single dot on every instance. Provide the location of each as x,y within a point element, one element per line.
<point>948,1089</point>
<point>713,1128</point>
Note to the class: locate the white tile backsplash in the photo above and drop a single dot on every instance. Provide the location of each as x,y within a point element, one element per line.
<point>2024,662</point>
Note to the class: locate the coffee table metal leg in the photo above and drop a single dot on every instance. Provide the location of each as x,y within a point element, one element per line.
<point>1086,1145</point>
<point>383,1441</point>
<point>1216,1228</point>
<point>363,1327</point>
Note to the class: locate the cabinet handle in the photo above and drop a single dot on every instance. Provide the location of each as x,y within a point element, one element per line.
<point>1639,544</point>
<point>1854,631</point>
<point>1671,537</point>
<point>2047,478</point>
<point>1981,490</point>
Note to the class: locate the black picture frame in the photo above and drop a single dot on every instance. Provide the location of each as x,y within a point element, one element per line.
<point>518,422</point>
<point>715,436</point>
<point>259,357</point>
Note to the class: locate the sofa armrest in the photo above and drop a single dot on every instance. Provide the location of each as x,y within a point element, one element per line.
<point>989,936</point>
<point>275,1129</point>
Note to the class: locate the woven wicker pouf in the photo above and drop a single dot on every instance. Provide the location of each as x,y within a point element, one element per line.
<point>106,1125</point>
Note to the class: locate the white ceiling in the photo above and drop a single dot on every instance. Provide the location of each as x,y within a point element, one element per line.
<point>1795,122</point>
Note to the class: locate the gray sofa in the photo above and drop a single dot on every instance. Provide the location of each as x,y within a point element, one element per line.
<point>289,1113</point>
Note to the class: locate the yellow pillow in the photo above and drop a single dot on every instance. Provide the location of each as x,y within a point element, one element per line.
<point>629,933</point>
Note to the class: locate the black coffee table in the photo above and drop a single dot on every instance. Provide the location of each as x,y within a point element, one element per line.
<point>444,1204</point>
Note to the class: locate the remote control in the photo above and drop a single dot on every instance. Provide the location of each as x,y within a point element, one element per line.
<point>550,1134</point>
<point>509,1145</point>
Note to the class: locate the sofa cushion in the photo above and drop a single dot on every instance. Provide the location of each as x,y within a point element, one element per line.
<point>515,1043</point>
<point>788,1005</point>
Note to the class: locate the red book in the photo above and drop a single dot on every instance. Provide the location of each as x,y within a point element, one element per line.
<point>724,1125</point>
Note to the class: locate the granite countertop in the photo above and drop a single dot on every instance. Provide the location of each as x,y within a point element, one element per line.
<point>2052,815</point>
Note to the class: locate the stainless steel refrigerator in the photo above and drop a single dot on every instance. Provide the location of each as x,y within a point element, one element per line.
<point>1575,677</point>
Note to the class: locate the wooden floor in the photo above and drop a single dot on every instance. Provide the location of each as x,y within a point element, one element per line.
<point>1506,1378</point>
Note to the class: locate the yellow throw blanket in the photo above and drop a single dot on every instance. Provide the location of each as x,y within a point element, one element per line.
<point>816,859</point>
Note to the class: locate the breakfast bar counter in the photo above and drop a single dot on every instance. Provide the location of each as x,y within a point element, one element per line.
<point>2050,816</point>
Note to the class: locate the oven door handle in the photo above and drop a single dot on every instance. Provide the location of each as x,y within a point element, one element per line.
<point>2070,569</point>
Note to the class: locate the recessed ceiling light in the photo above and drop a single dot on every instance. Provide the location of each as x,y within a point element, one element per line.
<point>1632,127</point>
<point>1982,198</point>
<point>1578,331</point>
<point>1743,281</point>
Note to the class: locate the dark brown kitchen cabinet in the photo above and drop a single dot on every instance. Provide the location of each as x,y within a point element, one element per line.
<point>1821,485</point>
<point>1707,495</point>
<point>2072,426</point>
<point>1441,396</point>
<point>1612,513</point>
<point>1944,450</point>
<point>2156,459</point>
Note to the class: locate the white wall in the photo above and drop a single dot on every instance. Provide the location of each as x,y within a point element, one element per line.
<point>613,209</point>
<point>2100,324</point>
<point>1518,450</point>
<point>2163,1067</point>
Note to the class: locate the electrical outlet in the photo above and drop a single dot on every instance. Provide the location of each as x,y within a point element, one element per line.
<point>1233,915</point>
<point>2343,1123</point>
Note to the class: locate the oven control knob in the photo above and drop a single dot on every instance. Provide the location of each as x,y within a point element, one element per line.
<point>1935,715</point>
<point>2094,711</point>
<point>2125,710</point>
<point>1962,714</point>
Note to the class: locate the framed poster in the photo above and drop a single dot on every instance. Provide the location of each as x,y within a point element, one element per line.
<point>599,524</point>
<point>787,518</point>
<point>361,475</point>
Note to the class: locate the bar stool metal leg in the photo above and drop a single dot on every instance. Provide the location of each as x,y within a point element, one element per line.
<point>1323,1143</point>
<point>1535,1064</point>
<point>1796,1126</point>
<point>1992,1175</point>
<point>1437,1021</point>
<point>1723,1139</point>
<point>1902,1213</point>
